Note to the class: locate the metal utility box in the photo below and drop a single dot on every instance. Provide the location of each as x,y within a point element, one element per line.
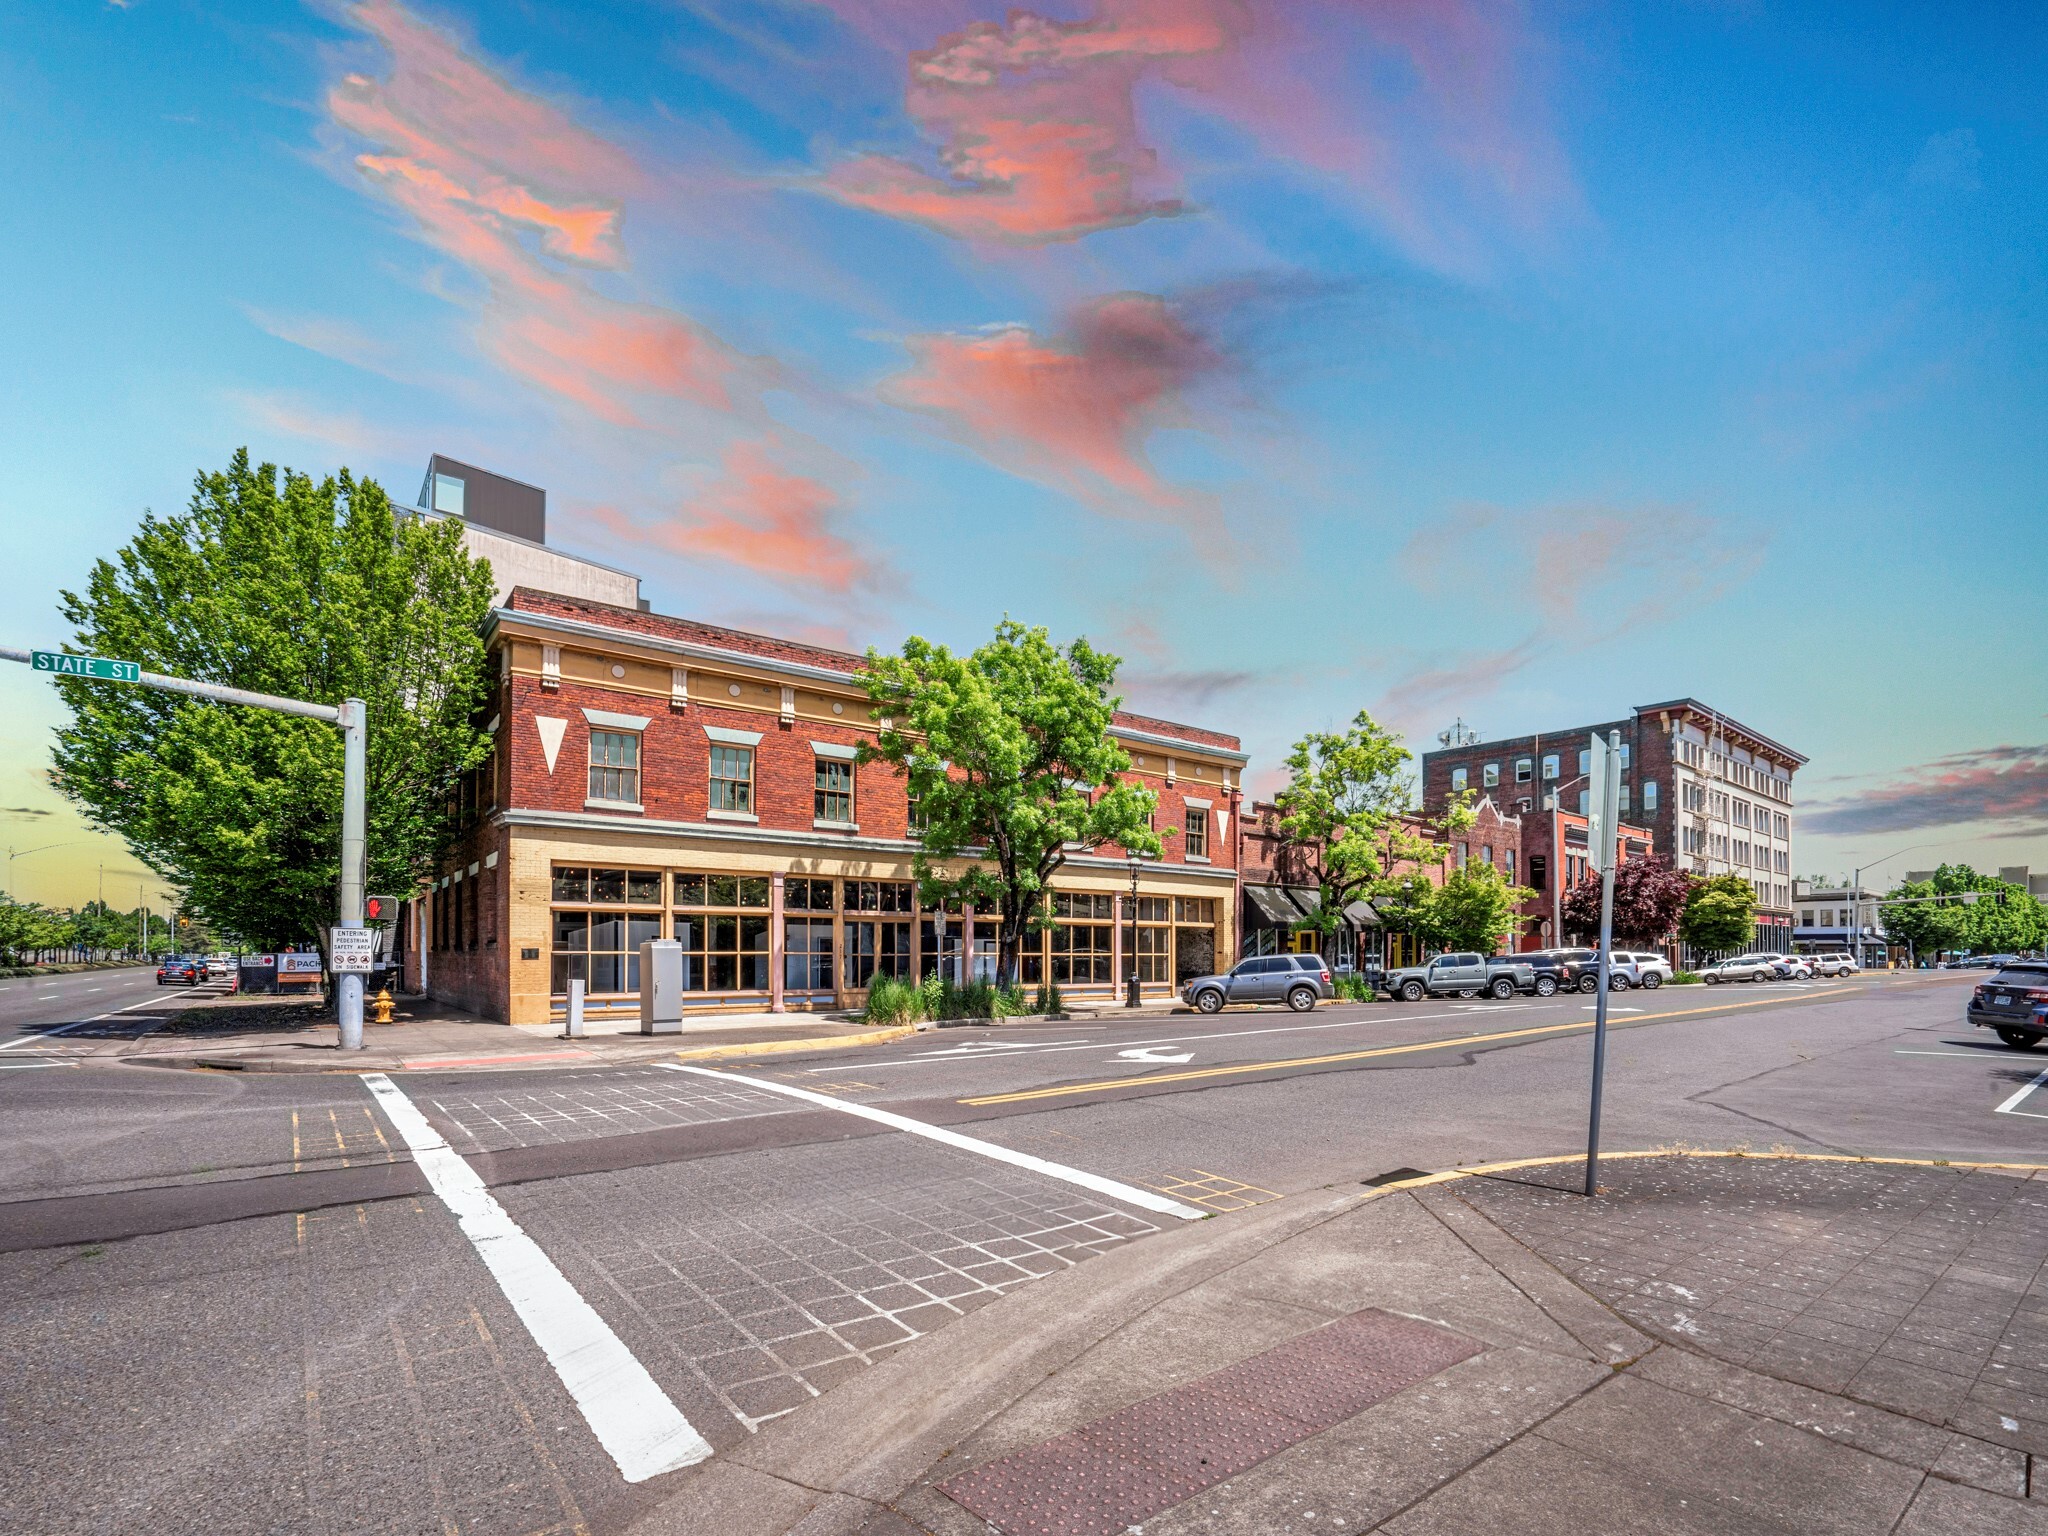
<point>661,987</point>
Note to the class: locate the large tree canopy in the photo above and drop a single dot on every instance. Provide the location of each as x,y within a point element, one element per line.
<point>1649,895</point>
<point>1477,908</point>
<point>1009,764</point>
<point>1720,914</point>
<point>2004,919</point>
<point>283,585</point>
<point>1341,814</point>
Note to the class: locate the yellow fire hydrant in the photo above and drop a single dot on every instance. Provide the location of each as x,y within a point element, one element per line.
<point>383,1005</point>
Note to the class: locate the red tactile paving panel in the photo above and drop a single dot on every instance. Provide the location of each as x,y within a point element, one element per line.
<point>1125,1468</point>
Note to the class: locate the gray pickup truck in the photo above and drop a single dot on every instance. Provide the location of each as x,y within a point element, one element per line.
<point>1465,975</point>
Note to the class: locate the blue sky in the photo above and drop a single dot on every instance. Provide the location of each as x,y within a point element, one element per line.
<point>1437,357</point>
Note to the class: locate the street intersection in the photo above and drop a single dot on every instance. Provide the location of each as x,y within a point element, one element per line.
<point>289,1301</point>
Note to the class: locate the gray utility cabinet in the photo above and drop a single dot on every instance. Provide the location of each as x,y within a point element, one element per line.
<point>661,987</point>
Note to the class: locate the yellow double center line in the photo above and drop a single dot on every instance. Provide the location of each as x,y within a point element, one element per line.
<point>1383,1050</point>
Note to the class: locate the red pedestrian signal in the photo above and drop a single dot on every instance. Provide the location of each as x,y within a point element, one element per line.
<point>380,909</point>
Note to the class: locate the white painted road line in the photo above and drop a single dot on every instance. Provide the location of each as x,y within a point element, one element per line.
<point>2012,1105</point>
<point>1130,1194</point>
<point>633,1419</point>
<point>8,1045</point>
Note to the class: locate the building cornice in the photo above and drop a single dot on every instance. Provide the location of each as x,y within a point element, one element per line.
<point>731,832</point>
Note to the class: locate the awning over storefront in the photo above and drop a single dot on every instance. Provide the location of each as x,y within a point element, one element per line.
<point>1286,906</point>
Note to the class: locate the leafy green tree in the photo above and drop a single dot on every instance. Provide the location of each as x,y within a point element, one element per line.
<point>1649,896</point>
<point>1407,904</point>
<point>1343,817</point>
<point>1009,763</point>
<point>285,585</point>
<point>1477,909</point>
<point>1719,915</point>
<point>2004,919</point>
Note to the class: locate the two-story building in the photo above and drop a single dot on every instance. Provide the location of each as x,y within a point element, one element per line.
<point>659,778</point>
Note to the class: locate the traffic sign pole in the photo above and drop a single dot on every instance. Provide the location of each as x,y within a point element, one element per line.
<point>351,716</point>
<point>1606,761</point>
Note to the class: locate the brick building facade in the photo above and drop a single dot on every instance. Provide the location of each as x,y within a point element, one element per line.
<point>659,778</point>
<point>1710,792</point>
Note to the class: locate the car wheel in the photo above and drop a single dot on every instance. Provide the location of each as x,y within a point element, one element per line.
<point>1617,982</point>
<point>1711,980</point>
<point>1546,986</point>
<point>1411,991</point>
<point>1653,979</point>
<point>1302,999</point>
<point>1501,989</point>
<point>1589,983</point>
<point>1209,1002</point>
<point>2018,1039</point>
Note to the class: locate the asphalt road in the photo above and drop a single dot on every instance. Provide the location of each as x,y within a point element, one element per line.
<point>256,1288</point>
<point>30,1005</point>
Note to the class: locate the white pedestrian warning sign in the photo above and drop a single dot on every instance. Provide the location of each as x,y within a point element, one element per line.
<point>351,949</point>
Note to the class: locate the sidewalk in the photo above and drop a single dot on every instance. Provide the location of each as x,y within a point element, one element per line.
<point>1717,1345</point>
<point>261,1033</point>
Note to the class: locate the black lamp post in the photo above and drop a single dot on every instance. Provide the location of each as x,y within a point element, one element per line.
<point>1131,976</point>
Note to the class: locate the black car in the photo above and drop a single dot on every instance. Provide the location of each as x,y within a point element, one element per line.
<point>2014,1002</point>
<point>180,968</point>
<point>1564,970</point>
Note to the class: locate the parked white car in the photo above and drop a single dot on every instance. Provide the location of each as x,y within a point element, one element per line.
<point>1738,968</point>
<point>1795,968</point>
<point>1836,964</point>
<point>1637,968</point>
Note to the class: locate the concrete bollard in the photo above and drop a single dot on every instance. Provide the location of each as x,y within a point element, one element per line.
<point>574,1031</point>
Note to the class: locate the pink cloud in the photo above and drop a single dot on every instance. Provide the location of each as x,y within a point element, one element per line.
<point>507,185</point>
<point>1079,401</point>
<point>1425,112</point>
<point>764,519</point>
<point>2004,784</point>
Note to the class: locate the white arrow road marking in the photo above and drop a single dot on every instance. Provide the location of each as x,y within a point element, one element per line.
<point>2012,1105</point>
<point>1153,1053</point>
<point>633,1419</point>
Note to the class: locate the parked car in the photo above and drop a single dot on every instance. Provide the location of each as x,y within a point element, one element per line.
<point>1568,970</point>
<point>1463,975</point>
<point>180,968</point>
<point>1635,968</point>
<point>1794,967</point>
<point>1299,981</point>
<point>1737,968</point>
<point>1834,963</point>
<point>2014,1002</point>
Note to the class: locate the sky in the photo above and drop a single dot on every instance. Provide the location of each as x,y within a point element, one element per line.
<point>1456,360</point>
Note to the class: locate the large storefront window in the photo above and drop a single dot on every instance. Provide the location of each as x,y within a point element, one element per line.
<point>722,923</point>
<point>1194,936</point>
<point>1078,947</point>
<point>877,945</point>
<point>807,941</point>
<point>1155,938</point>
<point>600,919</point>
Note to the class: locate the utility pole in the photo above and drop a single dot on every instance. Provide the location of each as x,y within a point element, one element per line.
<point>351,715</point>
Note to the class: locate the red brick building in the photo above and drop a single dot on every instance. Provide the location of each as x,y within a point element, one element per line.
<point>655,777</point>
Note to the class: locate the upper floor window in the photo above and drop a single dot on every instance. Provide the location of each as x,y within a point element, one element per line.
<point>615,766</point>
<point>1585,800</point>
<point>1196,835</point>
<point>1522,770</point>
<point>1550,765</point>
<point>732,779</point>
<point>1490,775</point>
<point>1585,760</point>
<point>833,797</point>
<point>1486,853</point>
<point>1624,754</point>
<point>1458,781</point>
<point>1649,794</point>
<point>1623,797</point>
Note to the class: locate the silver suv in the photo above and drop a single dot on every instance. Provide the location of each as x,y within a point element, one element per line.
<point>1299,981</point>
<point>1638,968</point>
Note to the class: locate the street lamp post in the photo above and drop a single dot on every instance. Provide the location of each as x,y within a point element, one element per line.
<point>1131,975</point>
<point>1557,855</point>
<point>13,854</point>
<point>1854,933</point>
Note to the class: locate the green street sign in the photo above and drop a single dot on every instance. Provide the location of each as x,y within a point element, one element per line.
<point>103,667</point>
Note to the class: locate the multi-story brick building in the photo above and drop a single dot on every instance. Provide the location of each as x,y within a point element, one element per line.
<point>655,777</point>
<point>1705,789</point>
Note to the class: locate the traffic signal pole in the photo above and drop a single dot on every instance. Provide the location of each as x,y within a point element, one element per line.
<point>351,715</point>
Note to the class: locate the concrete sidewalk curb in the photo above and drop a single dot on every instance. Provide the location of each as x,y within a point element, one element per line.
<point>865,1459</point>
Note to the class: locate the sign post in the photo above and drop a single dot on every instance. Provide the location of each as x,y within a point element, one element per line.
<point>1602,834</point>
<point>350,715</point>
